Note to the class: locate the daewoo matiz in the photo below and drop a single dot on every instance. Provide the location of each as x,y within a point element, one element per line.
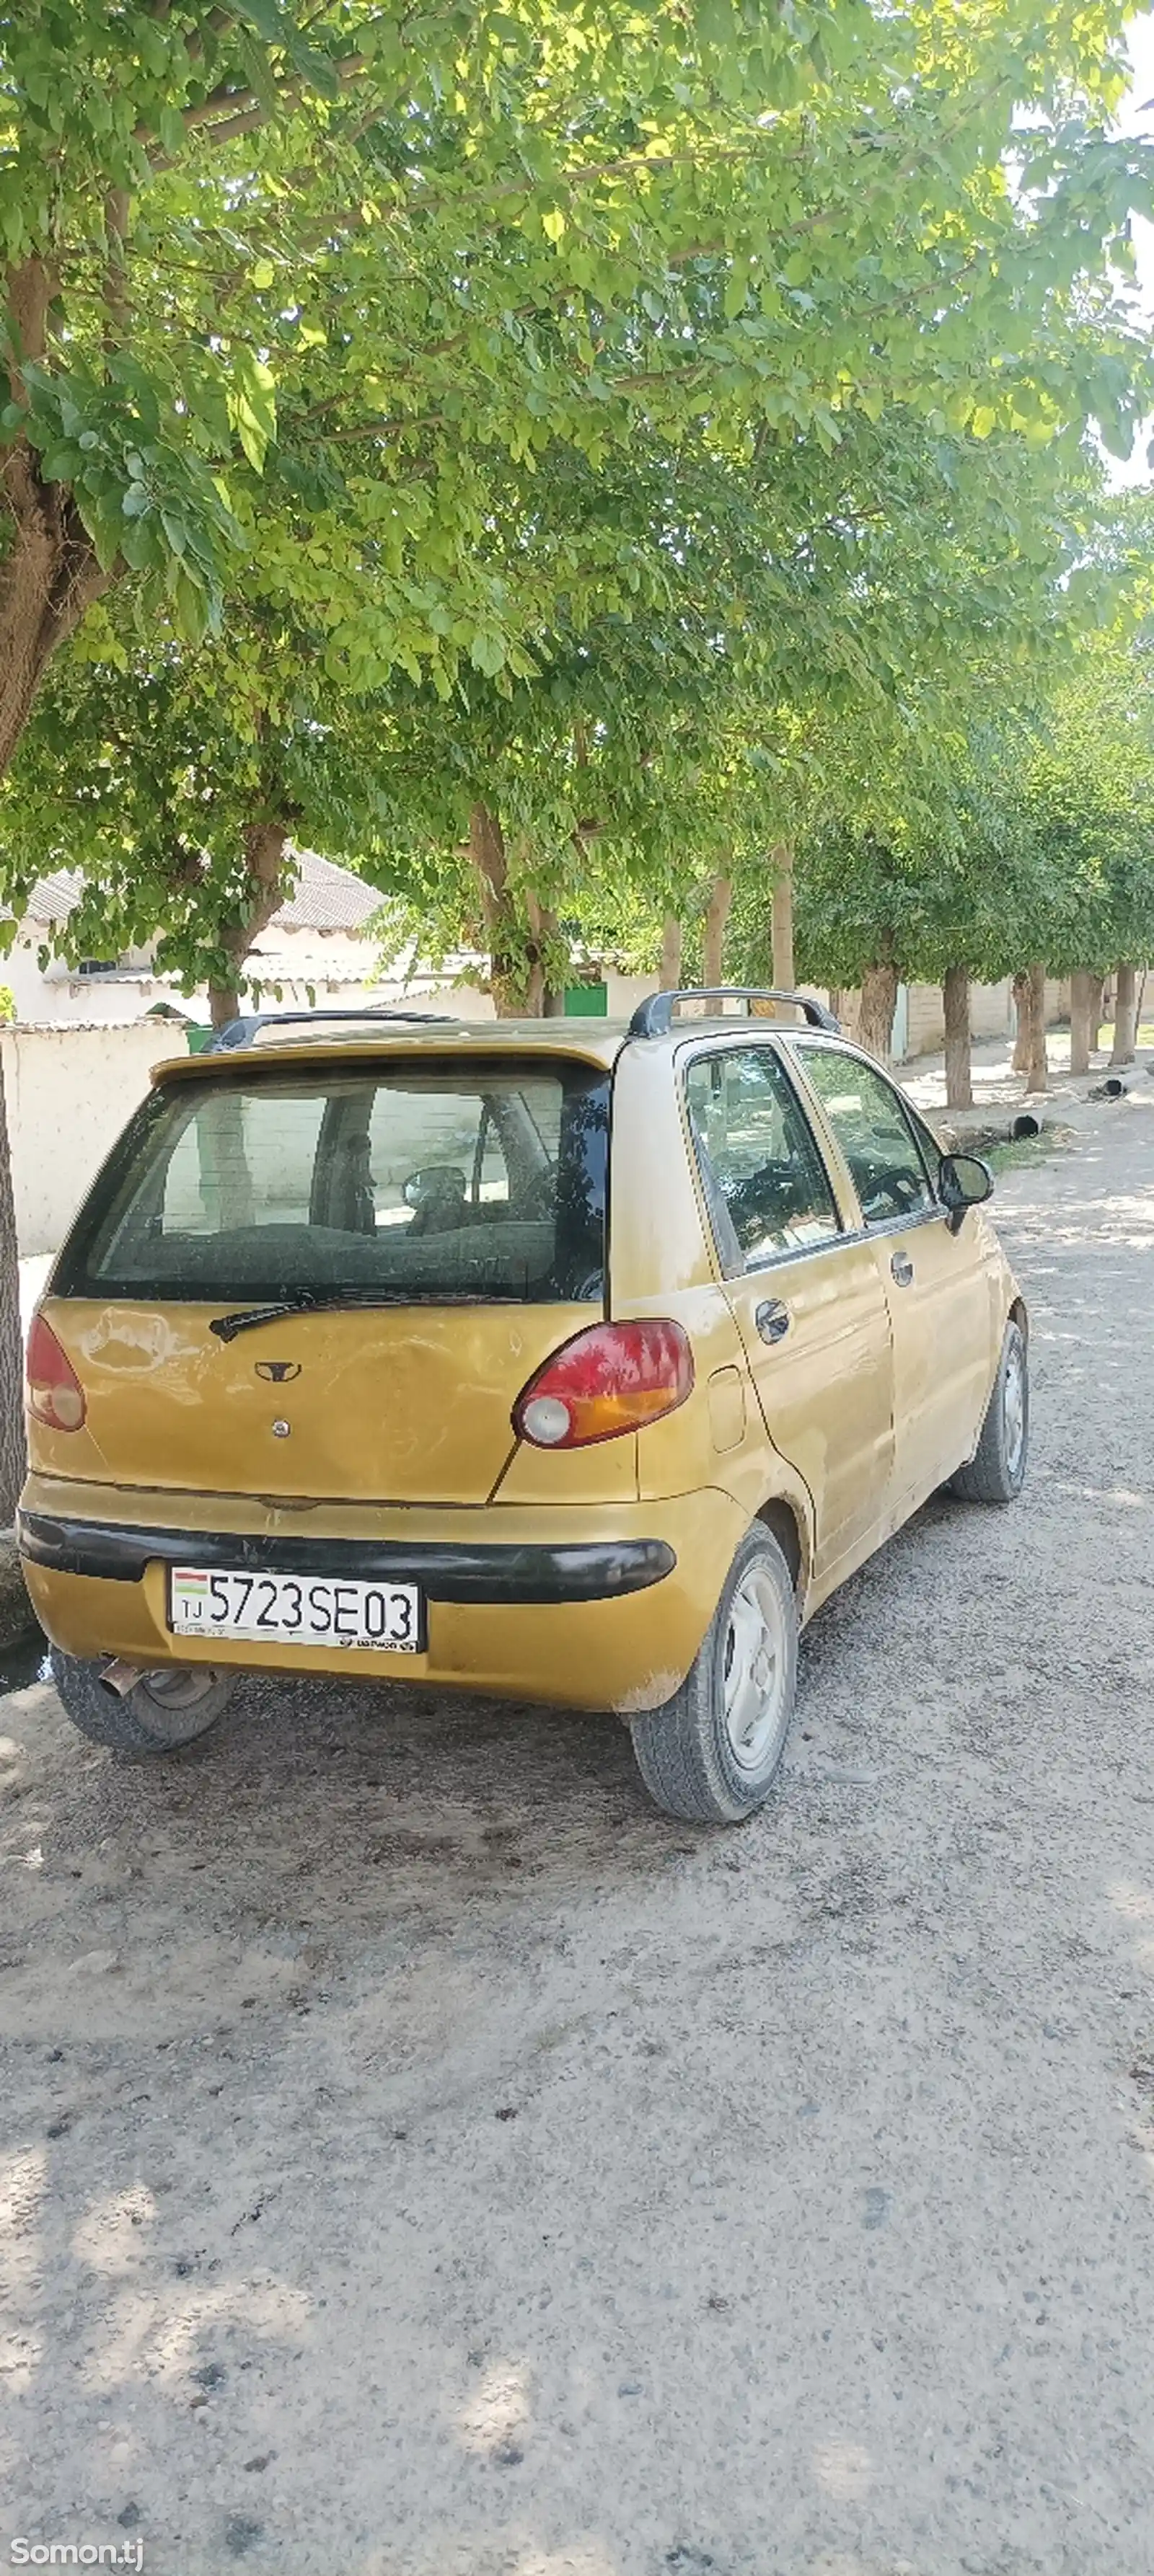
<point>563,1361</point>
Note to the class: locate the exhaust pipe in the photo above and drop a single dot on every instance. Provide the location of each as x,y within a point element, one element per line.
<point>120,1677</point>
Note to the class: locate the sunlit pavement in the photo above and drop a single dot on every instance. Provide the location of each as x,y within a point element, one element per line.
<point>418,2159</point>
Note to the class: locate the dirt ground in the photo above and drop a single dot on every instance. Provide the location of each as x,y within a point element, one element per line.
<point>419,2159</point>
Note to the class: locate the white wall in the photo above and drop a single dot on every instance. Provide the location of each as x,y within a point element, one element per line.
<point>991,1014</point>
<point>69,1090</point>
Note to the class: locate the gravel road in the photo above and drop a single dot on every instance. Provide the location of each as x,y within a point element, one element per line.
<point>419,2159</point>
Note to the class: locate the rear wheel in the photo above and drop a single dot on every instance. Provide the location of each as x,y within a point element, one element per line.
<point>710,1754</point>
<point>168,1707</point>
<point>997,1471</point>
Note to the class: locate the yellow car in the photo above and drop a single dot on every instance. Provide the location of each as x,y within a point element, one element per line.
<point>562,1361</point>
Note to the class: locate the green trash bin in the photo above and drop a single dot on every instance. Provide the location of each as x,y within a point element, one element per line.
<point>198,1037</point>
<point>586,1001</point>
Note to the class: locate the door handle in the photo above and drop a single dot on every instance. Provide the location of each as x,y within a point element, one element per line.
<point>902,1269</point>
<point>772,1319</point>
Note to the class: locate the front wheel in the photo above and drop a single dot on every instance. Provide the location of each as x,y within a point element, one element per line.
<point>997,1471</point>
<point>168,1707</point>
<point>710,1754</point>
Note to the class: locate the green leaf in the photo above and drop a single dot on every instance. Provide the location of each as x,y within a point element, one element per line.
<point>60,464</point>
<point>252,405</point>
<point>277,28</point>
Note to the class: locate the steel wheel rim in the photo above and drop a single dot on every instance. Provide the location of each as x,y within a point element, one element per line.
<point>1014,1408</point>
<point>755,1667</point>
<point>180,1686</point>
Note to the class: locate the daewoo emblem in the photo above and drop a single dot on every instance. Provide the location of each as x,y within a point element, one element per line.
<point>278,1370</point>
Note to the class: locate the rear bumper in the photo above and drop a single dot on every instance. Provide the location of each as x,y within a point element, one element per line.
<point>588,1607</point>
<point>110,1552</point>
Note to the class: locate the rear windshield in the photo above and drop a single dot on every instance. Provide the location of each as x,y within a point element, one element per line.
<point>415,1182</point>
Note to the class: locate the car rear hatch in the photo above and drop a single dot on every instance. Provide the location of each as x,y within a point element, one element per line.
<point>452,1206</point>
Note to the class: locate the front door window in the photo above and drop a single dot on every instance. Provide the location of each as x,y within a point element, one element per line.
<point>876,1137</point>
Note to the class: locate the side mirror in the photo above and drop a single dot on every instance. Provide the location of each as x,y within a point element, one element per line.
<point>964,1181</point>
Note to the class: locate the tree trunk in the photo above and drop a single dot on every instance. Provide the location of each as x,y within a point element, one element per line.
<point>782,917</point>
<point>223,1004</point>
<point>672,942</point>
<point>956,1001</point>
<point>225,1170</point>
<point>48,567</point>
<point>1097,988</point>
<point>879,996</point>
<point>13,1450</point>
<point>1080,996</point>
<point>48,575</point>
<point>1021,1056</point>
<point>487,851</point>
<point>544,931</point>
<point>264,849</point>
<point>1037,1061</point>
<point>1125,1015</point>
<point>713,944</point>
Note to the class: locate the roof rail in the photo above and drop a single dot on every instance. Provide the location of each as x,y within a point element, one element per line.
<point>654,1017</point>
<point>239,1033</point>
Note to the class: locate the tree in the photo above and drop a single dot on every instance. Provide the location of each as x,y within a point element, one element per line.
<point>1086,800</point>
<point>280,293</point>
<point>405,245</point>
<point>174,781</point>
<point>730,642</point>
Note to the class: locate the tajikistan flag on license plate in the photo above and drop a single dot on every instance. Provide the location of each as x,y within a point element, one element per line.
<point>191,1590</point>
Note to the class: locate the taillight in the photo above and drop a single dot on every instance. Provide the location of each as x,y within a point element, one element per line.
<point>55,1394</point>
<point>612,1378</point>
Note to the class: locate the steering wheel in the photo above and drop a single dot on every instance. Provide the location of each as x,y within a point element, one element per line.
<point>441,1207</point>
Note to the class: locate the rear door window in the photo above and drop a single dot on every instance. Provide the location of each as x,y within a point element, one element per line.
<point>766,1185</point>
<point>417,1181</point>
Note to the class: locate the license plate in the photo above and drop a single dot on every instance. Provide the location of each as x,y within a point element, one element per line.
<point>296,1610</point>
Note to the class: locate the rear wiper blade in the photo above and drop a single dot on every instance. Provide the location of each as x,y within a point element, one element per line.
<point>246,1318</point>
<point>226,1327</point>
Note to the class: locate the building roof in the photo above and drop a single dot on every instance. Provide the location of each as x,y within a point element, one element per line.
<point>53,898</point>
<point>324,897</point>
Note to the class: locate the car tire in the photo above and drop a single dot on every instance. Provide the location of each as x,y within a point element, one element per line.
<point>710,1753</point>
<point>167,1708</point>
<point>997,1471</point>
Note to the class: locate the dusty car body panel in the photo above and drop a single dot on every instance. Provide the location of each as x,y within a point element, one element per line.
<point>391,1429</point>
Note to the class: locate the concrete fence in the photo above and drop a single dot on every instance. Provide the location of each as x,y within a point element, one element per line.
<point>69,1090</point>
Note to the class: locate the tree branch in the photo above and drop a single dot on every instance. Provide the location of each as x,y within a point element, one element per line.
<point>115,286</point>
